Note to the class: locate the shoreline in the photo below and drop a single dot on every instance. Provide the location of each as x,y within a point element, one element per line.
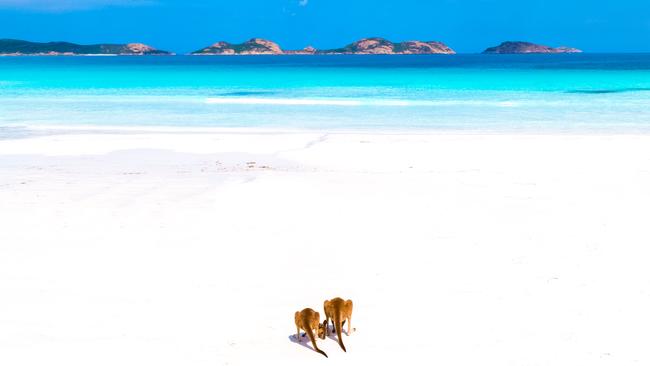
<point>50,130</point>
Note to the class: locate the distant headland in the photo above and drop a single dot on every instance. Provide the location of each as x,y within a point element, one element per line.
<point>366,46</point>
<point>16,47</point>
<point>527,47</point>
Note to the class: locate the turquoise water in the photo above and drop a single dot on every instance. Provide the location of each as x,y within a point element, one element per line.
<point>585,92</point>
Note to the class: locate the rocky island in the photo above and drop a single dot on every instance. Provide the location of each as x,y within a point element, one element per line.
<point>380,46</point>
<point>14,47</point>
<point>366,46</point>
<point>255,46</point>
<point>527,47</point>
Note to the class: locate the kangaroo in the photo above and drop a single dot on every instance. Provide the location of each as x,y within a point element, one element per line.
<point>308,319</point>
<point>338,310</point>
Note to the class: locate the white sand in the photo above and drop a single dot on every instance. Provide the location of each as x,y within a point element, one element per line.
<point>168,249</point>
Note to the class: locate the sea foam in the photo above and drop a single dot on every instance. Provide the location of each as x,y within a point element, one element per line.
<point>355,102</point>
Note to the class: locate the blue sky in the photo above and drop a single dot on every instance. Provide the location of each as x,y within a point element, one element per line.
<point>465,25</point>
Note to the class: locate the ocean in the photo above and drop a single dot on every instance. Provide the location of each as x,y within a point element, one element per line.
<point>483,93</point>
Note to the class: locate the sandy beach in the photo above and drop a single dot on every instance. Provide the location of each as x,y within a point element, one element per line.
<point>161,248</point>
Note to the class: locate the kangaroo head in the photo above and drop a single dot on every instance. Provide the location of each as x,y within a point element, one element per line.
<point>321,329</point>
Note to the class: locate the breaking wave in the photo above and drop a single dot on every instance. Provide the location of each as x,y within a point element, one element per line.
<point>355,102</point>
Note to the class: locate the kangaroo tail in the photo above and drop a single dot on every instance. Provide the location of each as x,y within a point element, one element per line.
<point>337,326</point>
<point>310,334</point>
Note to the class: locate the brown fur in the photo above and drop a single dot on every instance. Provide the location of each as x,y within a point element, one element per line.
<point>338,310</point>
<point>309,320</point>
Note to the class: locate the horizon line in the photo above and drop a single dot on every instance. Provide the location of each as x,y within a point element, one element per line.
<point>246,39</point>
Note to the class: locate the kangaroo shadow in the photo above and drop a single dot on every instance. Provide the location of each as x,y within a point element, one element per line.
<point>332,332</point>
<point>305,342</point>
